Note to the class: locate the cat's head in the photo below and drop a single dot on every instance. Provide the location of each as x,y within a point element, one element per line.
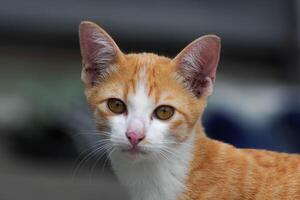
<point>143,102</point>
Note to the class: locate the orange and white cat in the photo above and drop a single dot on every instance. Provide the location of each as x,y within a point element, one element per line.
<point>149,106</point>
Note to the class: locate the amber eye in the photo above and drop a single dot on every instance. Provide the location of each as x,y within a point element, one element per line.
<point>164,112</point>
<point>116,105</point>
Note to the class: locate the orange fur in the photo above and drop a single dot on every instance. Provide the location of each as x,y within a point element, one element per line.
<point>217,170</point>
<point>221,171</point>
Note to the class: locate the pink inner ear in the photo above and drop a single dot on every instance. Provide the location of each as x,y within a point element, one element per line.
<point>198,63</point>
<point>98,52</point>
<point>86,44</point>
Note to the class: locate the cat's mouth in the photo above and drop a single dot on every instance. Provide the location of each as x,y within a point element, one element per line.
<point>135,151</point>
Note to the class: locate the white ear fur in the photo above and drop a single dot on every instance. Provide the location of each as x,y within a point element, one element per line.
<point>98,52</point>
<point>197,64</point>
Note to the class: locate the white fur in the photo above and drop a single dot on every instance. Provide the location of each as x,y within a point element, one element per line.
<point>154,179</point>
<point>192,63</point>
<point>98,52</point>
<point>106,53</point>
<point>153,176</point>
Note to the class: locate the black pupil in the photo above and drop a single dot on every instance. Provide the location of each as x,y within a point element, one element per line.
<point>118,103</point>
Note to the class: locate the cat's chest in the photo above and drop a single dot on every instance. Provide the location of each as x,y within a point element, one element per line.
<point>152,181</point>
<point>162,185</point>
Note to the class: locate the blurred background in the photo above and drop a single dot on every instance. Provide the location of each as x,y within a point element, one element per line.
<point>46,131</point>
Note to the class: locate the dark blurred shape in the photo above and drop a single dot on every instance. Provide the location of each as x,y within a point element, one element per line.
<point>222,127</point>
<point>286,128</point>
<point>42,141</point>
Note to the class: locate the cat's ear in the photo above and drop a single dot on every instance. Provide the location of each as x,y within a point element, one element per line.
<point>197,64</point>
<point>99,52</point>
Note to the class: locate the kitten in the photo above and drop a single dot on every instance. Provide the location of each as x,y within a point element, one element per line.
<point>149,107</point>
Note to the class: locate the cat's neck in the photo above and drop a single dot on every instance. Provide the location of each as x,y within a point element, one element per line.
<point>162,178</point>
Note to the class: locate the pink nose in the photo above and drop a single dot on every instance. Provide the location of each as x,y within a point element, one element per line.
<point>135,138</point>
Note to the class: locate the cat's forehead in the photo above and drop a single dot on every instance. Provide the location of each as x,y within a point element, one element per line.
<point>146,67</point>
<point>144,63</point>
<point>154,73</point>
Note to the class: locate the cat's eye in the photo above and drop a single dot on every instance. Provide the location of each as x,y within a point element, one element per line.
<point>164,112</point>
<point>116,106</point>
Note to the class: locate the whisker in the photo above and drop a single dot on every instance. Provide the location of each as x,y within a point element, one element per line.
<point>90,148</point>
<point>99,146</point>
<point>108,156</point>
<point>171,152</point>
<point>164,155</point>
<point>106,150</point>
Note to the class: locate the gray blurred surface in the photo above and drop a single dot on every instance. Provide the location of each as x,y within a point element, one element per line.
<point>245,23</point>
<point>43,85</point>
<point>21,179</point>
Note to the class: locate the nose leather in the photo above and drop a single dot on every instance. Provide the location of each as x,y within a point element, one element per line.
<point>135,132</point>
<point>135,138</point>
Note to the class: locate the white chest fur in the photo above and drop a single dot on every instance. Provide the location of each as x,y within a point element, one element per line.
<point>159,179</point>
